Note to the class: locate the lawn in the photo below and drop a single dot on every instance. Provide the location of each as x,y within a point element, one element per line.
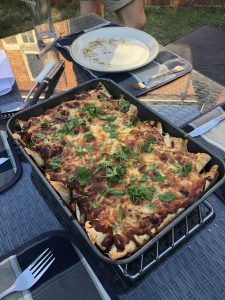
<point>165,24</point>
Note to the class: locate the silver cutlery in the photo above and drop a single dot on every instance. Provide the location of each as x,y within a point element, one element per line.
<point>144,85</point>
<point>3,160</point>
<point>207,126</point>
<point>32,273</point>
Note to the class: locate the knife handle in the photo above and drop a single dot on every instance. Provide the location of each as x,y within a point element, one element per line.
<point>37,94</point>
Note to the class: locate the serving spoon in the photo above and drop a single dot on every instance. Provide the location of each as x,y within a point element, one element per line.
<point>144,85</point>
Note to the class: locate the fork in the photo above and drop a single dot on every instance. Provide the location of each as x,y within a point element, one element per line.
<point>31,274</point>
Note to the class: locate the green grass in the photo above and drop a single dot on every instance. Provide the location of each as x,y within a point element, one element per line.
<point>165,24</point>
<point>168,24</point>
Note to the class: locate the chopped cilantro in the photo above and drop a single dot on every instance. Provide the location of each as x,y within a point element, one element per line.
<point>107,118</point>
<point>146,146</point>
<point>151,205</point>
<point>69,145</point>
<point>82,175</point>
<point>80,150</point>
<point>138,193</point>
<point>113,192</point>
<point>89,149</point>
<point>40,136</point>
<point>115,227</point>
<point>144,178</point>
<point>120,215</point>
<point>111,130</point>
<point>88,136</point>
<point>167,197</point>
<point>95,111</point>
<point>124,105</point>
<point>92,109</point>
<point>154,167</point>
<point>58,116</point>
<point>101,96</point>
<point>100,145</point>
<point>120,155</point>
<point>55,163</point>
<point>95,204</point>
<point>158,177</point>
<point>46,124</point>
<point>133,177</point>
<point>114,173</point>
<point>182,170</point>
<point>57,136</point>
<point>137,156</point>
<point>68,127</point>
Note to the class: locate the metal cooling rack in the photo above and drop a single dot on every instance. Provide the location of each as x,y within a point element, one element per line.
<point>178,234</point>
<point>191,223</point>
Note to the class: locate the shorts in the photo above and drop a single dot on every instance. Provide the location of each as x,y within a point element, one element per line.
<point>114,5</point>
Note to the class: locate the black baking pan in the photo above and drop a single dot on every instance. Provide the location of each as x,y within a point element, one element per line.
<point>145,113</point>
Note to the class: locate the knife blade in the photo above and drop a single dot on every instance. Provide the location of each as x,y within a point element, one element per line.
<point>3,160</point>
<point>45,82</point>
<point>207,126</point>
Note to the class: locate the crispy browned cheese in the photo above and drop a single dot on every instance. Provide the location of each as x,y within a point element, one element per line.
<point>124,179</point>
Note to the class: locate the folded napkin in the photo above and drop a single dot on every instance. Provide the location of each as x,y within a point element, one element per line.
<point>9,271</point>
<point>9,168</point>
<point>6,75</point>
<point>69,277</point>
<point>216,135</point>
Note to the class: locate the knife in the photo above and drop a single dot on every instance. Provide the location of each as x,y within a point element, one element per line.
<point>207,126</point>
<point>3,160</point>
<point>45,82</point>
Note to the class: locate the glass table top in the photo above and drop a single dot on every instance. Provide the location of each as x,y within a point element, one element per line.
<point>184,275</point>
<point>22,50</point>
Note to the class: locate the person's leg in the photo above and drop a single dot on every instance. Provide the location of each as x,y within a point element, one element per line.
<point>91,6</point>
<point>132,15</point>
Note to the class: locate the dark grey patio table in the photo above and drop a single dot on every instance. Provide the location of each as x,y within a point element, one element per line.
<point>194,271</point>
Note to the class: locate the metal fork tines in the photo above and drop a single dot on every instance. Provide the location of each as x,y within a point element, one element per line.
<point>32,273</point>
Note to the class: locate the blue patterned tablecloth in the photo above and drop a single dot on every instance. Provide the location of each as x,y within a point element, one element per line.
<point>195,271</point>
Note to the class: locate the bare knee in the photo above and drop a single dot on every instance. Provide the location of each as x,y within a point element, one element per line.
<point>132,15</point>
<point>139,23</point>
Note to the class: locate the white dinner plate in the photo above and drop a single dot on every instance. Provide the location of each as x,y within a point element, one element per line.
<point>114,49</point>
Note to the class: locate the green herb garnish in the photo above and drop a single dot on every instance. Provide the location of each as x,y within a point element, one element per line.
<point>138,193</point>
<point>82,175</point>
<point>124,106</point>
<point>154,167</point>
<point>111,130</point>
<point>158,177</point>
<point>120,155</point>
<point>58,116</point>
<point>144,178</point>
<point>46,124</point>
<point>182,170</point>
<point>88,136</point>
<point>80,150</point>
<point>69,127</point>
<point>114,173</point>
<point>95,204</point>
<point>113,192</point>
<point>146,146</point>
<point>55,163</point>
<point>115,227</point>
<point>167,197</point>
<point>133,177</point>
<point>107,118</point>
<point>89,149</point>
<point>69,145</point>
<point>120,215</point>
<point>40,136</point>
